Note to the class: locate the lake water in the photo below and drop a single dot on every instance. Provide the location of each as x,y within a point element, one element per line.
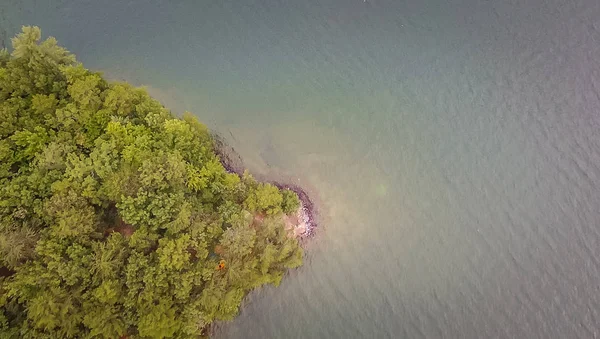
<point>453,147</point>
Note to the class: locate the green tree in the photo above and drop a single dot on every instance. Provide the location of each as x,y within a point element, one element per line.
<point>290,203</point>
<point>116,217</point>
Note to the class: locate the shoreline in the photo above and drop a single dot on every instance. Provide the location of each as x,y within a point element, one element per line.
<point>233,163</point>
<point>305,214</point>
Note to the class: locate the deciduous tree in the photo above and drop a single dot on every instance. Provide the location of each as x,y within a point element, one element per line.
<point>115,214</point>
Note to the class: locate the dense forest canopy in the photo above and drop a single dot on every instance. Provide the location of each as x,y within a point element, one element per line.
<point>117,218</point>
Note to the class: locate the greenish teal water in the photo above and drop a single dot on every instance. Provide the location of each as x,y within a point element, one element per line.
<point>452,147</point>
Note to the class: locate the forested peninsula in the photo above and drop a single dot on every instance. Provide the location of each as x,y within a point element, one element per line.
<point>119,219</point>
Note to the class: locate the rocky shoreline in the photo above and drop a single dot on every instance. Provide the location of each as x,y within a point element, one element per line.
<point>305,222</point>
<point>229,158</point>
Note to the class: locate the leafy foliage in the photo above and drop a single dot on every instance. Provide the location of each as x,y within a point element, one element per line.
<point>117,219</point>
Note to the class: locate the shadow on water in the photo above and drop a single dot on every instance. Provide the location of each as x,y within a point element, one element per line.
<point>4,41</point>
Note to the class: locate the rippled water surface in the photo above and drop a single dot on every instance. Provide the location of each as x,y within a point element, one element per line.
<point>453,147</point>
